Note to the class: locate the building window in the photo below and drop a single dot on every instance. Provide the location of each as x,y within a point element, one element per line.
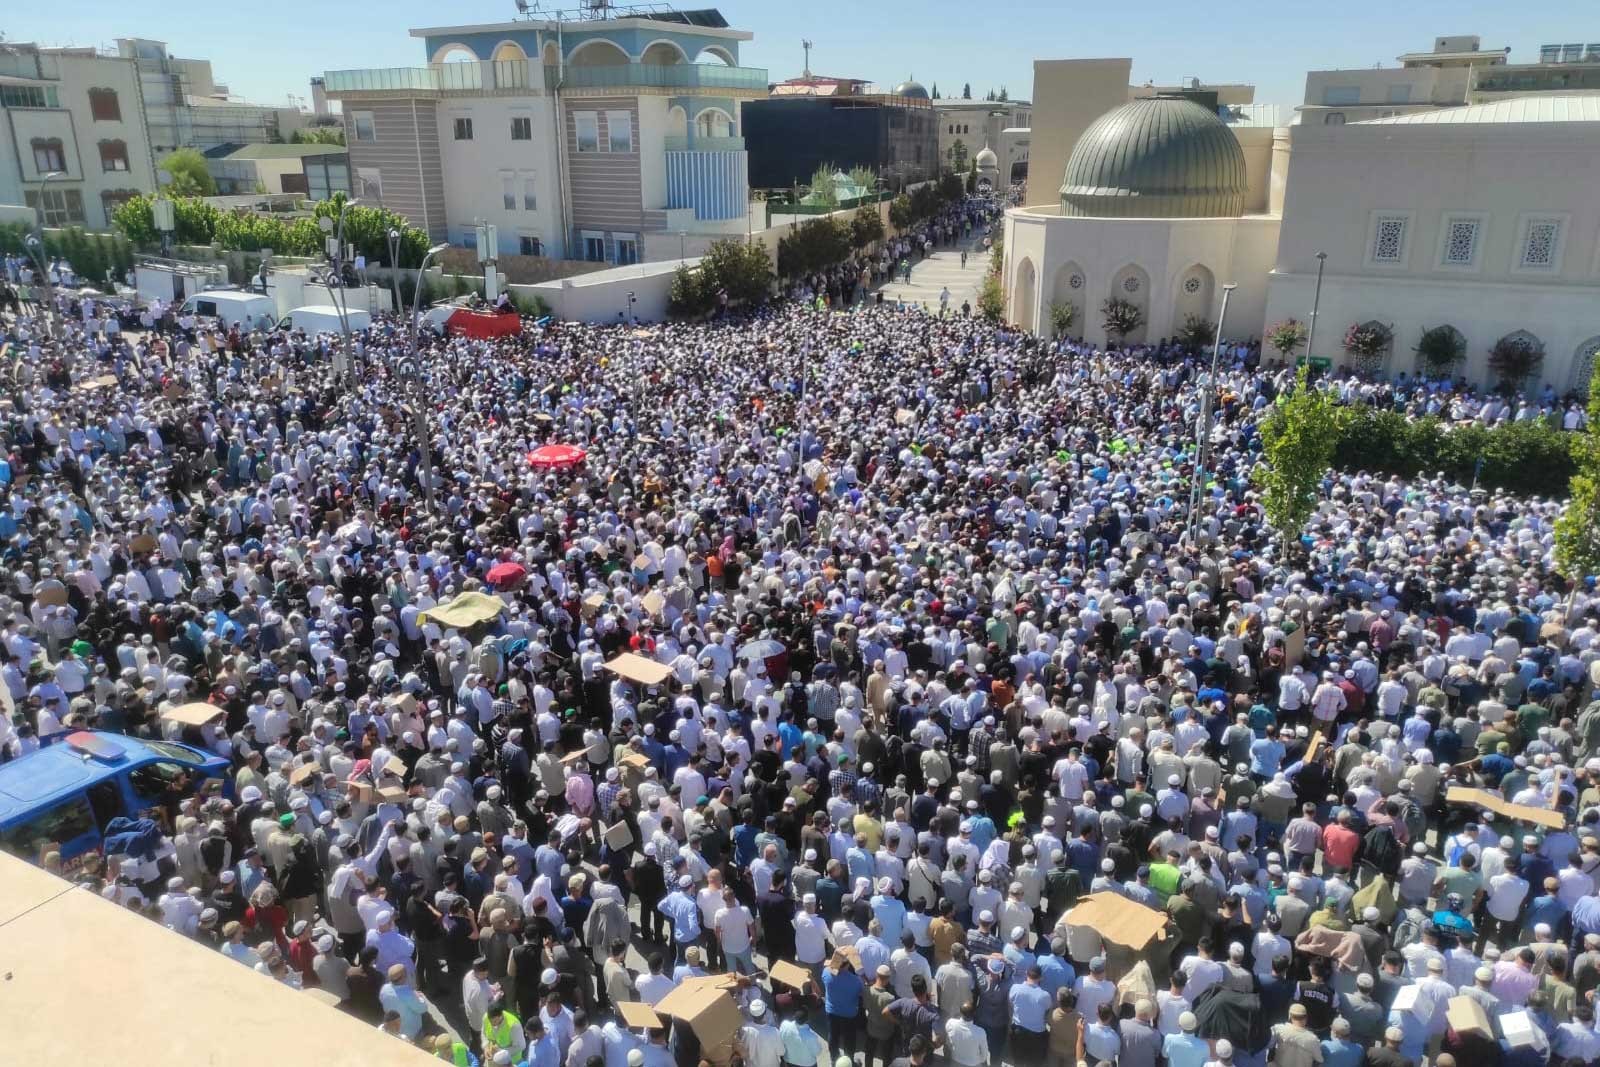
<point>113,156</point>
<point>112,199</point>
<point>529,246</point>
<point>521,128</point>
<point>508,191</point>
<point>364,128</point>
<point>103,105</point>
<point>1400,94</point>
<point>27,96</point>
<point>62,207</point>
<point>594,246</point>
<point>1460,242</point>
<point>1333,118</point>
<point>1130,284</point>
<point>1076,281</point>
<point>1192,285</point>
<point>586,126</point>
<point>627,246</point>
<point>48,155</point>
<point>530,194</point>
<point>463,129</point>
<point>1341,95</point>
<point>1541,244</point>
<point>1389,239</point>
<point>619,131</point>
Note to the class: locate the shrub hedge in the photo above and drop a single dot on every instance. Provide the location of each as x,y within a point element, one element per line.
<point>1526,458</point>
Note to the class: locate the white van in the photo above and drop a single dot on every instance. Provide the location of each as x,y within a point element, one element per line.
<point>324,318</point>
<point>233,307</point>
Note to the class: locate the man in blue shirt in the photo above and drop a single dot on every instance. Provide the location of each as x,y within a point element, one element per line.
<point>841,998</point>
<point>1030,1014</point>
<point>1338,1050</point>
<point>1184,1049</point>
<point>541,1050</point>
<point>1055,973</point>
<point>890,911</point>
<point>684,913</point>
<point>1266,755</point>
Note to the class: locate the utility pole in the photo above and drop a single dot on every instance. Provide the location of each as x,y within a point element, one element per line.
<point>1316,303</point>
<point>1202,441</point>
<point>418,413</point>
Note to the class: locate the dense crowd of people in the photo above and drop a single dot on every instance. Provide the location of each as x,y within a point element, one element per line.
<point>940,667</point>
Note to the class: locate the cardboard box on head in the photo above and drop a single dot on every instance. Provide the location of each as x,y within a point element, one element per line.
<point>707,1007</point>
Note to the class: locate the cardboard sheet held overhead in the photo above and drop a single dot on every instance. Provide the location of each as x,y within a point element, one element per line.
<point>706,1006</point>
<point>302,772</point>
<point>197,714</point>
<point>637,668</point>
<point>639,1016</point>
<point>1119,920</point>
<point>1466,1015</point>
<point>790,974</point>
<point>1482,798</point>
<point>618,835</point>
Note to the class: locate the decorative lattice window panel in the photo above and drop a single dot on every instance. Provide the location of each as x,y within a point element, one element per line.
<point>1389,242</point>
<point>1130,284</point>
<point>1192,285</point>
<point>1539,245</point>
<point>1461,242</point>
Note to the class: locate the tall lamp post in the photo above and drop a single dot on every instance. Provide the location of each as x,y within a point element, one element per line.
<point>424,443</point>
<point>1202,440</point>
<point>1316,301</point>
<point>36,246</point>
<point>335,251</point>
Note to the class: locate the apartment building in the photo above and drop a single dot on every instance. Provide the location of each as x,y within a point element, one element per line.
<point>601,137</point>
<point>73,139</point>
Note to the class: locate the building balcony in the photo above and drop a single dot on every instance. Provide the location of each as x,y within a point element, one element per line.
<point>677,76</point>
<point>524,77</point>
<point>705,144</point>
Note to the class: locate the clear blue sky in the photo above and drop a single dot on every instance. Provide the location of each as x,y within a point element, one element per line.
<point>265,51</point>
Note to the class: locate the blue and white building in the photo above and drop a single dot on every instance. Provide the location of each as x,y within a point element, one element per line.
<point>605,138</point>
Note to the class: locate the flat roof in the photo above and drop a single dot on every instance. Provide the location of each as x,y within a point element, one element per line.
<point>630,23</point>
<point>1521,109</point>
<point>1490,54</point>
<point>176,1001</point>
<point>280,151</point>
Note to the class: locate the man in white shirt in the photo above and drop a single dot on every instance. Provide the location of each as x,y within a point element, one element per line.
<point>735,931</point>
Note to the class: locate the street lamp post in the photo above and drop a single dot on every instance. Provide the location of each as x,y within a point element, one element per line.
<point>682,238</point>
<point>336,253</point>
<point>424,443</point>
<point>393,235</point>
<point>1202,439</point>
<point>1316,301</point>
<point>36,246</point>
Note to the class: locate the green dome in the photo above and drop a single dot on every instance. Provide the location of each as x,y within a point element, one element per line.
<point>1164,157</point>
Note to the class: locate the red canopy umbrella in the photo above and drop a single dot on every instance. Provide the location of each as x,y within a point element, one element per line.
<point>507,573</point>
<point>556,457</point>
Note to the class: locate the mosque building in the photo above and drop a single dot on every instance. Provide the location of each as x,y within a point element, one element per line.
<point>1477,216</point>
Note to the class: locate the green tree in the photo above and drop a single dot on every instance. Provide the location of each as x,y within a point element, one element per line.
<point>1515,359</point>
<point>1299,438</point>
<point>991,298</point>
<point>1197,332</point>
<point>1577,532</point>
<point>189,174</point>
<point>318,135</point>
<point>741,270</point>
<point>866,226</point>
<point>1063,313</point>
<point>688,296</point>
<point>1440,348</point>
<point>823,192</point>
<point>950,188</point>
<point>865,177</point>
<point>1286,337</point>
<point>958,156</point>
<point>1004,96</point>
<point>1120,317</point>
<point>900,216</point>
<point>966,91</point>
<point>935,90</point>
